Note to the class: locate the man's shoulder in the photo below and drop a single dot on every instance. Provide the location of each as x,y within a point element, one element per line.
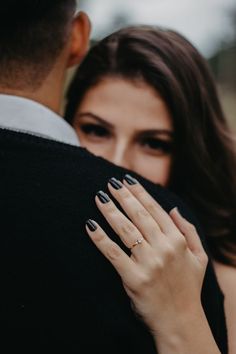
<point>54,185</point>
<point>48,159</point>
<point>27,145</point>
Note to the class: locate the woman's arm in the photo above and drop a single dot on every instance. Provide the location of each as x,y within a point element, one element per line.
<point>164,274</point>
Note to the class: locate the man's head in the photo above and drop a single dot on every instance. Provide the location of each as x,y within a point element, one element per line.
<point>34,35</point>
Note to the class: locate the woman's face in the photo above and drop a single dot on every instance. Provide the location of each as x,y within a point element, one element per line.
<point>128,124</point>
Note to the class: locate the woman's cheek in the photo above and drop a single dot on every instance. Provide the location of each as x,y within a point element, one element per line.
<point>155,168</point>
<point>99,148</point>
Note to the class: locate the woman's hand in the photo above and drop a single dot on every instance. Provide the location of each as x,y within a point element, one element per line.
<point>164,274</point>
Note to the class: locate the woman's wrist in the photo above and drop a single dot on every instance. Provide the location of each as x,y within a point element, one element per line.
<point>187,334</point>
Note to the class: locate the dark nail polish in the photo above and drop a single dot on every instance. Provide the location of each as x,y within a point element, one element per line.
<point>91,225</point>
<point>130,180</point>
<point>115,183</point>
<point>103,197</point>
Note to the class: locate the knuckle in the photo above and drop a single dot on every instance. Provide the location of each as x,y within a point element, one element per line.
<point>181,242</point>
<point>154,231</point>
<point>142,213</point>
<point>155,263</point>
<point>143,281</point>
<point>127,229</point>
<point>169,254</point>
<point>190,228</point>
<point>156,266</point>
<point>98,236</point>
<point>113,251</point>
<point>160,265</point>
<point>152,207</point>
<point>178,241</point>
<point>140,192</point>
<point>125,194</point>
<point>205,258</point>
<point>111,208</point>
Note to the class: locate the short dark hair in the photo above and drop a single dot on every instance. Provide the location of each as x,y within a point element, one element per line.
<point>32,34</point>
<point>204,159</point>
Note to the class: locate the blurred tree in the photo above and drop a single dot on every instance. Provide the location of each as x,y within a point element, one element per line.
<point>224,69</point>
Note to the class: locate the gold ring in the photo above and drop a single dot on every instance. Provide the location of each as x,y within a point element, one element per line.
<point>137,242</point>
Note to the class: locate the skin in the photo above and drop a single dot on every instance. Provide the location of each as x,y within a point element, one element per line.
<point>131,135</point>
<point>49,94</point>
<point>169,246</point>
<point>51,90</point>
<point>136,134</point>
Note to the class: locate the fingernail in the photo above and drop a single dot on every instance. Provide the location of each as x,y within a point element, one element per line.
<point>91,225</point>
<point>103,197</point>
<point>130,180</point>
<point>115,183</point>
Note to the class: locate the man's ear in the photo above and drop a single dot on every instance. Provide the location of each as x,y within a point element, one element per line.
<point>80,33</point>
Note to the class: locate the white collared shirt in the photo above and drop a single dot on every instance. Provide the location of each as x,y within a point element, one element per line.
<point>27,116</point>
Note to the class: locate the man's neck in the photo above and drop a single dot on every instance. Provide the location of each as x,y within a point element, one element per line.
<point>49,100</point>
<point>49,94</point>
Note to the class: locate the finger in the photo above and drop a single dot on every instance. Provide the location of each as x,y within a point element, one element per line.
<point>189,232</point>
<point>123,264</point>
<point>141,218</point>
<point>124,228</point>
<point>164,221</point>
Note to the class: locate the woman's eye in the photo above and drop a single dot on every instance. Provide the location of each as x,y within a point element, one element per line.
<point>158,145</point>
<point>94,130</point>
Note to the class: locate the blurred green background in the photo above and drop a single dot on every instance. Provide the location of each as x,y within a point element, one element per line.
<point>209,24</point>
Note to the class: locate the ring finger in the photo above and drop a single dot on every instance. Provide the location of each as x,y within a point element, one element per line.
<point>124,228</point>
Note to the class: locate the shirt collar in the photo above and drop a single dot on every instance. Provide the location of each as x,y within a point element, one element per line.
<point>27,116</point>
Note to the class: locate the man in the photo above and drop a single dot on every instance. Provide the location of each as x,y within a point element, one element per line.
<point>58,291</point>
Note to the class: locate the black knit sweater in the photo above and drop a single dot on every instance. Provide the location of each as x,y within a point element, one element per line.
<point>58,293</point>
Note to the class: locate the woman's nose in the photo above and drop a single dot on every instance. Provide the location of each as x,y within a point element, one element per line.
<point>120,156</point>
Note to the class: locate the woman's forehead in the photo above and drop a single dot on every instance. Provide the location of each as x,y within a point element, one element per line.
<point>122,101</point>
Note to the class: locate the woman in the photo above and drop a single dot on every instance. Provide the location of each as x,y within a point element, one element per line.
<point>144,99</point>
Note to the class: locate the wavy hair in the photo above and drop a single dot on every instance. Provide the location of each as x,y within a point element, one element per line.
<point>204,169</point>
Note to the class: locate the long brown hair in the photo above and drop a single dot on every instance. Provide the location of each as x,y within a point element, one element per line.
<point>204,171</point>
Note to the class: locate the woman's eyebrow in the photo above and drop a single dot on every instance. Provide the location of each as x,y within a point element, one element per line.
<point>95,117</point>
<point>152,132</point>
